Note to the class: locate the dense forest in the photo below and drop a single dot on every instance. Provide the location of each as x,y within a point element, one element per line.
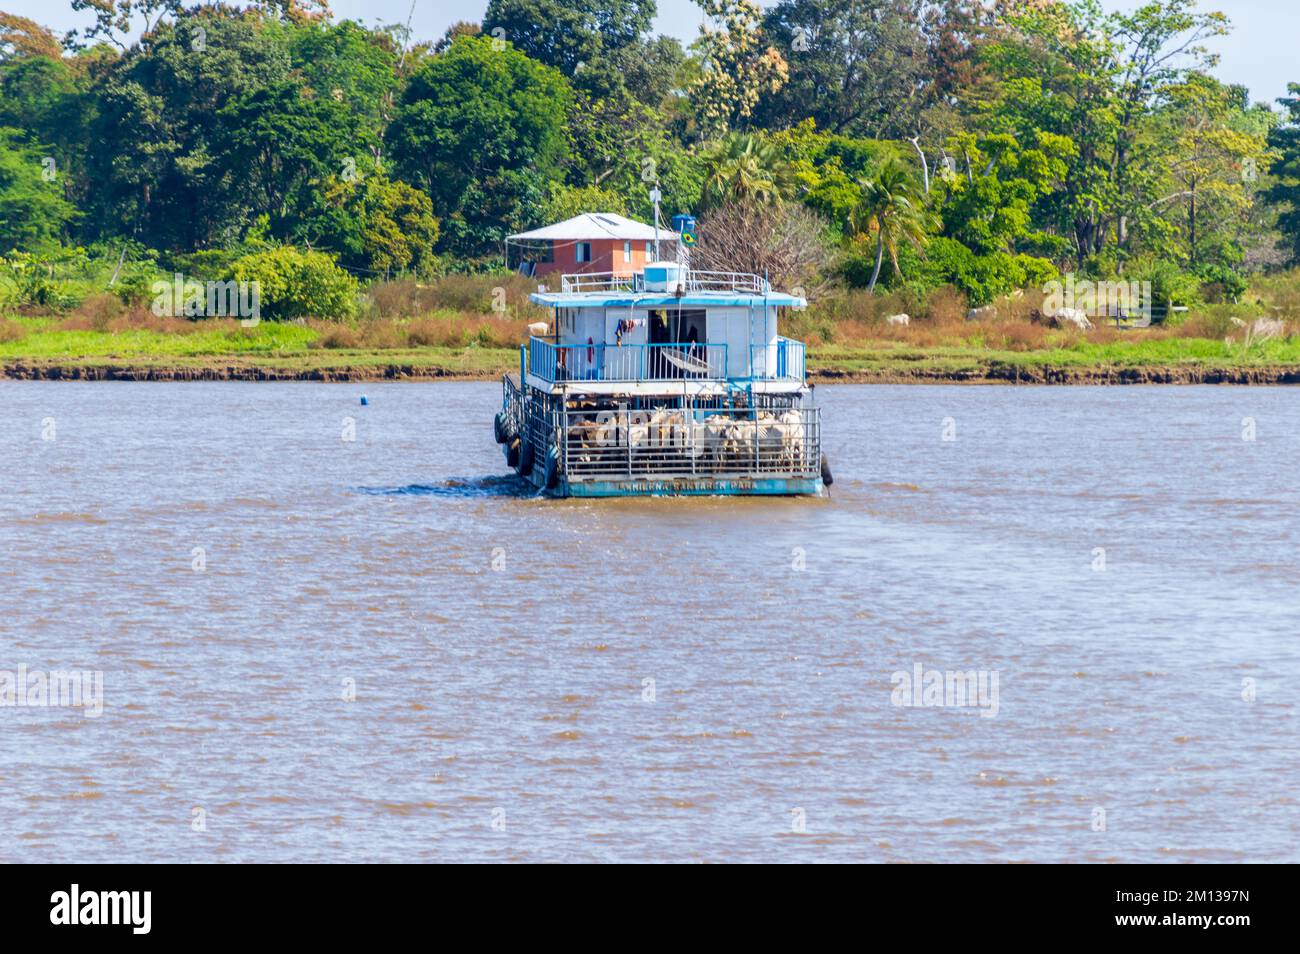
<point>880,144</point>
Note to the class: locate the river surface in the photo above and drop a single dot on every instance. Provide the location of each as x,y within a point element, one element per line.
<point>383,649</point>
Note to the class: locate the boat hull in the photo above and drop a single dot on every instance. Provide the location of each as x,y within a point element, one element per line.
<point>693,487</point>
<point>735,444</point>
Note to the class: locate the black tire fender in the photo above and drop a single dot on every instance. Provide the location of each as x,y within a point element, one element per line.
<point>552,468</point>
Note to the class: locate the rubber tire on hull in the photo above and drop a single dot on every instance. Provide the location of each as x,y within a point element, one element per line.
<point>552,469</point>
<point>499,428</point>
<point>827,479</point>
<point>525,458</point>
<point>512,453</point>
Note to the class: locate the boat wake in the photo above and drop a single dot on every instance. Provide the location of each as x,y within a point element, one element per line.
<point>494,486</point>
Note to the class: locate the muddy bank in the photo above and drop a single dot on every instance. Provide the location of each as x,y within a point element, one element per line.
<point>390,372</point>
<point>1013,374</point>
<point>989,374</point>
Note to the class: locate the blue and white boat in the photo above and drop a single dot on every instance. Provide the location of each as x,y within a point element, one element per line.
<point>666,381</point>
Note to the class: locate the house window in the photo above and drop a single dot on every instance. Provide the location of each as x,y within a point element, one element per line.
<point>583,252</point>
<point>627,251</point>
<point>649,251</point>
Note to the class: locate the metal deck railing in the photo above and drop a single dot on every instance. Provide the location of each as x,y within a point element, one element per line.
<point>512,403</point>
<point>686,442</point>
<point>782,360</point>
<point>693,281</point>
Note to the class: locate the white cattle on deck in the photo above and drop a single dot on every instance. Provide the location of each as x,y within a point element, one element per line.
<point>792,437</point>
<point>667,428</point>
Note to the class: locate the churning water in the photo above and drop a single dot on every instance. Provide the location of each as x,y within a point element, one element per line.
<point>315,648</point>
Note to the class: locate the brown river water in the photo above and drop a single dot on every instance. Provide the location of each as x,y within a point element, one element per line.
<point>384,649</point>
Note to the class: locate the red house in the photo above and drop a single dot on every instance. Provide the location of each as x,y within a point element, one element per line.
<point>591,242</point>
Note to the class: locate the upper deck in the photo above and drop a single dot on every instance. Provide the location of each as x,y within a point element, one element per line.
<point>687,288</point>
<point>665,326</point>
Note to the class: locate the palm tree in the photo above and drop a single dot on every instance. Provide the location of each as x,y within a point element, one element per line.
<point>890,205</point>
<point>744,168</point>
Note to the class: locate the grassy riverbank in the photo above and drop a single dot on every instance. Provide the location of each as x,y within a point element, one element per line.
<point>266,356</point>
<point>410,331</point>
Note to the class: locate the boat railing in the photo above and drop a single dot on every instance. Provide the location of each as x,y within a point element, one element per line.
<point>725,281</point>
<point>780,360</point>
<point>689,442</point>
<point>627,363</point>
<point>512,403</point>
<point>598,282</point>
<point>693,281</point>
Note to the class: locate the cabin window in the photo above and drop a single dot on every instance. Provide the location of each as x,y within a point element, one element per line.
<point>627,251</point>
<point>649,251</point>
<point>582,253</point>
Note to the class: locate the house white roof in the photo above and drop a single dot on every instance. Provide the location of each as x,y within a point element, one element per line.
<point>594,225</point>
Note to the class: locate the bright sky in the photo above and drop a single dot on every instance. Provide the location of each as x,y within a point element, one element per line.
<point>1260,53</point>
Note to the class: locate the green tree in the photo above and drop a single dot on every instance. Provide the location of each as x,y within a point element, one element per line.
<point>351,65</point>
<point>1208,167</point>
<point>481,130</point>
<point>278,147</point>
<point>990,200</point>
<point>564,202</point>
<point>742,167</point>
<point>159,124</point>
<point>1095,78</point>
<point>33,211</point>
<point>43,96</point>
<point>1284,191</point>
<point>376,225</point>
<point>115,20</point>
<point>738,66</point>
<point>892,208</point>
<point>295,284</point>
<point>854,65</point>
<point>570,35</point>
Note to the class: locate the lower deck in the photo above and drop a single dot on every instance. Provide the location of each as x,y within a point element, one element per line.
<point>599,445</point>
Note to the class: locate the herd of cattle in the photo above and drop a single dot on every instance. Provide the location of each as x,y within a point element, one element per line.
<point>769,439</point>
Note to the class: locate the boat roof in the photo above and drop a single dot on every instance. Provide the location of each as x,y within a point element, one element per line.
<point>698,299</point>
<point>596,225</point>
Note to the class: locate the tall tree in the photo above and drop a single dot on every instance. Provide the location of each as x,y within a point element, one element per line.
<point>159,123</point>
<point>742,167</point>
<point>1095,78</point>
<point>279,146</point>
<point>21,37</point>
<point>739,66</point>
<point>569,35</point>
<point>989,203</point>
<point>1212,159</point>
<point>347,63</point>
<point>374,225</point>
<point>1284,191</point>
<point>33,211</point>
<point>481,130</point>
<point>891,208</point>
<point>856,66</point>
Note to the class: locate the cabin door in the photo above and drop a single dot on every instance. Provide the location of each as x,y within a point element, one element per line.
<point>682,331</point>
<point>659,335</point>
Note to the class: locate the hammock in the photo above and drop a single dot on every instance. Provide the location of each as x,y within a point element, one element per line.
<point>686,362</point>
